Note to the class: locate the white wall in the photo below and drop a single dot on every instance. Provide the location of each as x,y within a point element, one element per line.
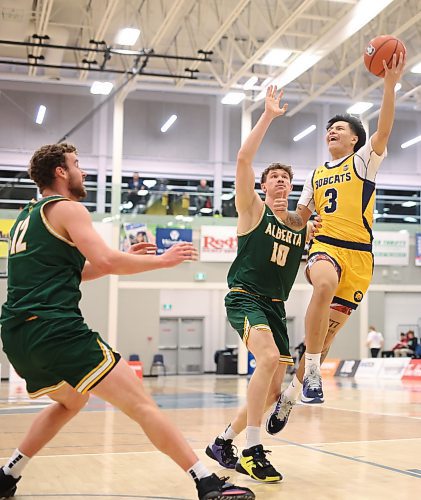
<point>187,148</point>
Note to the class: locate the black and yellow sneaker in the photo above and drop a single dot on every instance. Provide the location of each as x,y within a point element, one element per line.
<point>7,485</point>
<point>214,488</point>
<point>253,463</point>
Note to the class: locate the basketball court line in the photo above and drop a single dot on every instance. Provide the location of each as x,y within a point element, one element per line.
<point>382,414</point>
<point>312,446</point>
<point>353,459</point>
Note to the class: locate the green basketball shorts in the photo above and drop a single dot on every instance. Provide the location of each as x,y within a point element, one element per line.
<point>49,352</point>
<point>246,310</point>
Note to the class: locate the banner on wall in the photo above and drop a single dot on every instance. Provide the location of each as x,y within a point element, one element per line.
<point>347,368</point>
<point>391,248</point>
<point>218,243</point>
<point>133,233</point>
<point>166,237</point>
<point>418,249</point>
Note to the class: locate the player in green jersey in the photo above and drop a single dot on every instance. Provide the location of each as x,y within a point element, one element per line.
<point>260,280</point>
<point>53,247</point>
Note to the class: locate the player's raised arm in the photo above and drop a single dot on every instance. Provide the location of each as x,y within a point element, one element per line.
<point>387,111</point>
<point>245,176</point>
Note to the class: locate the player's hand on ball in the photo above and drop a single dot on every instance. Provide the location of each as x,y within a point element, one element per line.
<point>393,74</point>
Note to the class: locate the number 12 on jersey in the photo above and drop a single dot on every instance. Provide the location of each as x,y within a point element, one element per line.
<point>18,245</point>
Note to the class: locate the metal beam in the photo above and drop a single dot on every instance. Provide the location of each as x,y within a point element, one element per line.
<point>41,28</point>
<point>226,25</point>
<point>100,32</point>
<point>171,23</point>
<point>269,42</point>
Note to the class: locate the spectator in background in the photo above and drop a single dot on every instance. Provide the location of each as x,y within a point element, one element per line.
<point>412,343</point>
<point>135,184</point>
<point>203,201</point>
<point>375,341</point>
<point>400,347</point>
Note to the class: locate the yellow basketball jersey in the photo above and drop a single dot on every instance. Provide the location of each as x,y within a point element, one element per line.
<point>345,202</point>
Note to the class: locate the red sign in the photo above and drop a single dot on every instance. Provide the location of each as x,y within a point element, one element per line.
<point>137,367</point>
<point>329,367</point>
<point>413,370</point>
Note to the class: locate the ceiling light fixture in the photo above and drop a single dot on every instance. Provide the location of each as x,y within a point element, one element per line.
<point>305,132</point>
<point>127,36</point>
<point>101,88</point>
<point>411,142</point>
<point>250,83</point>
<point>168,123</point>
<point>416,68</point>
<point>40,114</point>
<point>359,108</point>
<point>233,98</point>
<point>275,57</point>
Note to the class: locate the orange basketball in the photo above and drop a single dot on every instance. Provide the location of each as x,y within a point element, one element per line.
<point>382,48</point>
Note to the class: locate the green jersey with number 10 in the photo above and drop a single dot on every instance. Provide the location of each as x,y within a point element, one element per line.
<point>268,258</point>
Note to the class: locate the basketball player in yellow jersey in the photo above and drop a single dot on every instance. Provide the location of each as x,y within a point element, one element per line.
<point>340,260</point>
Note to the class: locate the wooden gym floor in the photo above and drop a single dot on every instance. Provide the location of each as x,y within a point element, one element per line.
<point>363,443</point>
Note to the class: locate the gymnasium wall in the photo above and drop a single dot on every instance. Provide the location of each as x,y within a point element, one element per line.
<point>139,309</point>
<point>188,148</point>
<point>206,133</point>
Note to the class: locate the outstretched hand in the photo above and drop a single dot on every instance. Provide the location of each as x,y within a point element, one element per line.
<point>273,101</point>
<point>393,75</point>
<point>179,253</point>
<point>143,249</point>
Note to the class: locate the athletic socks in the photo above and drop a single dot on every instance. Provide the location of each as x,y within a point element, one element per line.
<point>253,436</point>
<point>293,391</point>
<point>16,463</point>
<point>198,471</point>
<point>228,433</point>
<point>311,360</point>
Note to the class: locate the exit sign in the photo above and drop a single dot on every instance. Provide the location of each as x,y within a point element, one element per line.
<point>167,307</point>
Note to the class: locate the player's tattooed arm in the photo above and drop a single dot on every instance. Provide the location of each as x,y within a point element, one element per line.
<point>296,219</point>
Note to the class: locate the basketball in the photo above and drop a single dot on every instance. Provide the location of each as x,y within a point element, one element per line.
<point>382,48</point>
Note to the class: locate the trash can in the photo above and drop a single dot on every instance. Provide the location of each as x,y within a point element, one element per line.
<point>226,362</point>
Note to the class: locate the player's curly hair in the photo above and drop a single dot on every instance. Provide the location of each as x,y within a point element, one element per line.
<point>355,125</point>
<point>44,162</point>
<point>276,166</point>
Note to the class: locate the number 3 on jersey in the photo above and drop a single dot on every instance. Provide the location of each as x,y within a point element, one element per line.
<point>332,194</point>
<point>18,245</point>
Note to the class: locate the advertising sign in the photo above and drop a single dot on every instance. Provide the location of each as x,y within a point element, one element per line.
<point>218,243</point>
<point>347,368</point>
<point>167,237</point>
<point>369,368</point>
<point>418,249</point>
<point>391,248</point>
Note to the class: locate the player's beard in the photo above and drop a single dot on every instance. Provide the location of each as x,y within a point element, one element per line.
<point>78,190</point>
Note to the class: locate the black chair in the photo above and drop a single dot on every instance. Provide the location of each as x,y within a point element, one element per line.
<point>158,362</point>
